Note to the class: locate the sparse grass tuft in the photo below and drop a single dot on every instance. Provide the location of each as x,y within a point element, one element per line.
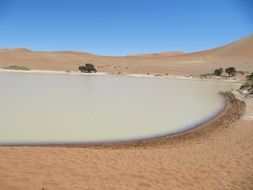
<point>16,67</point>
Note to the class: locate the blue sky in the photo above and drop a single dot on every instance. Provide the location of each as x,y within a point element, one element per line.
<point>120,27</point>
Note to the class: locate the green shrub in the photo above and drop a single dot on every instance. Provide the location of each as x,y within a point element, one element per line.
<point>231,71</point>
<point>87,68</point>
<point>218,72</point>
<point>16,67</point>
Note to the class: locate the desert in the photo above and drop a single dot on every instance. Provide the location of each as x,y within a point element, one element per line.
<point>215,155</point>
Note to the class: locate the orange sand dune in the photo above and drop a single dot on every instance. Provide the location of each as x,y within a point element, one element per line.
<point>238,54</point>
<point>157,55</point>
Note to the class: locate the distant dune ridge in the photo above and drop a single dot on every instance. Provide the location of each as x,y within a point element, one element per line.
<point>238,54</point>
<point>156,55</point>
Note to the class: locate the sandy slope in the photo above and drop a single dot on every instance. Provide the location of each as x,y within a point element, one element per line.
<point>157,55</point>
<point>238,54</point>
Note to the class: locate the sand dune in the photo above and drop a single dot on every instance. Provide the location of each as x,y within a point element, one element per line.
<point>237,54</point>
<point>157,55</point>
<point>240,50</point>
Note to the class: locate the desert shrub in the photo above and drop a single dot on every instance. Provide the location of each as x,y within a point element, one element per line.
<point>206,75</point>
<point>218,72</point>
<point>247,84</point>
<point>231,71</point>
<point>241,72</point>
<point>87,68</point>
<point>250,77</point>
<point>16,67</point>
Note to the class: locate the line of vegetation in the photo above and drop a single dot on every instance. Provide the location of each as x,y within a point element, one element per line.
<point>231,71</point>
<point>16,67</point>
<point>224,73</point>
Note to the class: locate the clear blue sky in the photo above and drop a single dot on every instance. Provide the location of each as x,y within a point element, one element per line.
<point>120,27</point>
